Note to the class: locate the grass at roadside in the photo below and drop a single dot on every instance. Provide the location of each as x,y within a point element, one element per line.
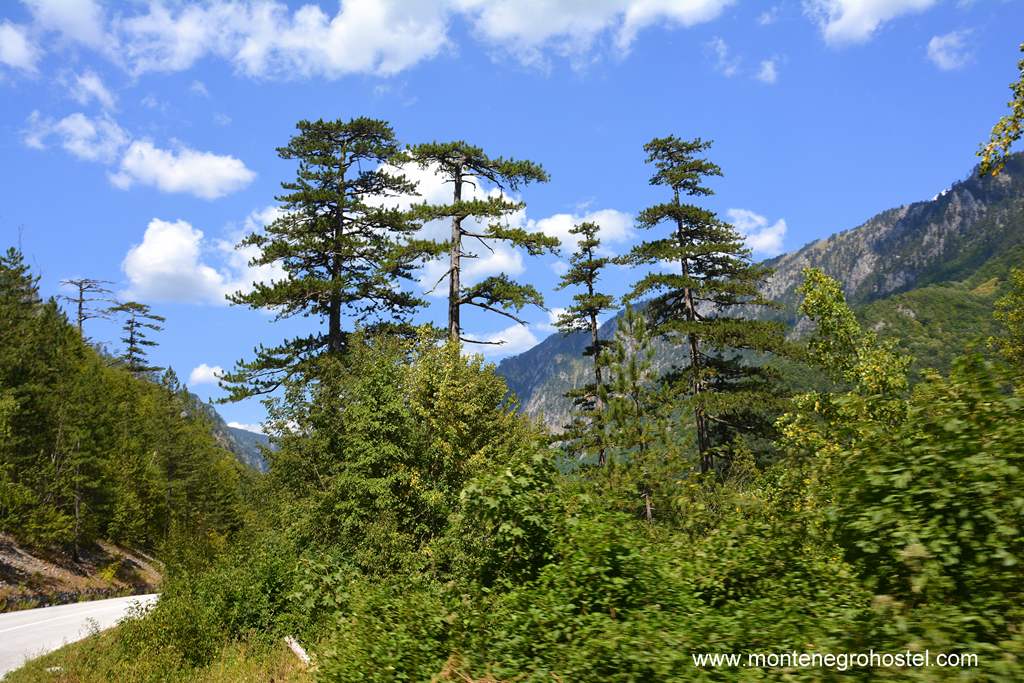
<point>97,660</point>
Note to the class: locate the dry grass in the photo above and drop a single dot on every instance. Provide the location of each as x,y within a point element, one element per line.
<point>95,660</point>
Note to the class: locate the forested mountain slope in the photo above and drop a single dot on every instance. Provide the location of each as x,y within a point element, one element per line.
<point>90,449</point>
<point>925,273</point>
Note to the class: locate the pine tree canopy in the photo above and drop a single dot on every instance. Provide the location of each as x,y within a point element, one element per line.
<point>344,250</point>
<point>138,319</point>
<point>463,164</point>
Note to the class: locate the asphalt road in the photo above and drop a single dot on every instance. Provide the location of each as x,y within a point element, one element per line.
<point>34,632</point>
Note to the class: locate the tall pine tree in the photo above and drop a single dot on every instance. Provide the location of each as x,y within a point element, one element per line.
<point>706,302</point>
<point>344,253</point>
<point>138,324</point>
<point>585,267</point>
<point>482,220</point>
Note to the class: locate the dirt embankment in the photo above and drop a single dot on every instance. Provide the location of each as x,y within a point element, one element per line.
<point>33,578</point>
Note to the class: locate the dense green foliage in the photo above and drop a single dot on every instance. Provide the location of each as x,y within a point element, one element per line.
<point>415,527</point>
<point>425,534</point>
<point>94,447</point>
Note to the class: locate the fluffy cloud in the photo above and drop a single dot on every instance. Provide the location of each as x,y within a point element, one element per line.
<point>266,39</point>
<point>173,263</point>
<point>769,72</point>
<point>855,21</point>
<point>269,39</point>
<point>16,50</point>
<point>763,239</point>
<point>79,20</point>
<point>529,28</point>
<point>616,227</point>
<point>91,139</point>
<point>514,339</point>
<point>88,86</point>
<point>203,174</point>
<point>199,88</point>
<point>167,266</point>
<point>205,374</point>
<point>949,52</point>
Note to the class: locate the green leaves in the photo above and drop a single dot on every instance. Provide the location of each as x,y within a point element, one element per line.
<point>1007,130</point>
<point>345,252</point>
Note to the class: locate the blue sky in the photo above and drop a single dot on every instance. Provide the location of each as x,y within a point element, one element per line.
<point>138,138</point>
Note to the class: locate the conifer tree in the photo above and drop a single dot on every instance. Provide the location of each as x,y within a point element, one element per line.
<point>87,292</point>
<point>344,253</point>
<point>139,322</point>
<point>462,164</point>
<point>702,303</point>
<point>634,403</point>
<point>585,268</point>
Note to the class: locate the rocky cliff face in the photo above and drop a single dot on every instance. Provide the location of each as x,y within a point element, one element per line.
<point>944,239</point>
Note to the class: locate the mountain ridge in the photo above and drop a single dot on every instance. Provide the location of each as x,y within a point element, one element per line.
<point>896,252</point>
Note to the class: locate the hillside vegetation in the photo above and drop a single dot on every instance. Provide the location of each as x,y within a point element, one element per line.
<point>92,449</point>
<point>824,494</point>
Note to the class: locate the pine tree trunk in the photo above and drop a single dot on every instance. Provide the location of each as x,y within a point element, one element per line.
<point>697,384</point>
<point>598,382</point>
<point>81,311</point>
<point>454,283</point>
<point>334,305</point>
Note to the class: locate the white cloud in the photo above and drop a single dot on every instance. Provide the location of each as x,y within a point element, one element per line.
<point>515,339</point>
<point>203,174</point>
<point>16,50</point>
<point>529,28</point>
<point>222,119</point>
<point>769,72</point>
<point>855,21</point>
<point>199,88</point>
<point>270,39</point>
<point>92,139</point>
<point>726,63</point>
<point>266,39</point>
<point>167,266</point>
<point>151,102</point>
<point>205,374</point>
<point>763,239</point>
<point>79,20</point>
<point>173,263</point>
<point>247,426</point>
<point>89,86</point>
<point>616,226</point>
<point>950,51</point>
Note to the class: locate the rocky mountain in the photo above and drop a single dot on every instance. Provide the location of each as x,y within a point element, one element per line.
<point>247,446</point>
<point>925,273</point>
